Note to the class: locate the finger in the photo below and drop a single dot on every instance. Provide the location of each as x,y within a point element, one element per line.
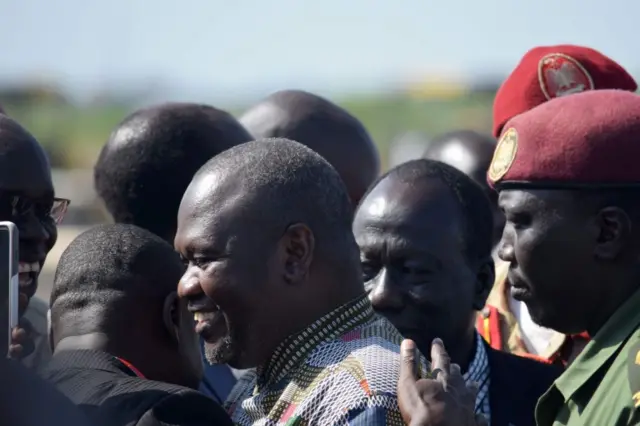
<point>16,351</point>
<point>408,397</point>
<point>455,376</point>
<point>473,388</point>
<point>440,359</point>
<point>408,366</point>
<point>22,338</point>
<point>19,334</point>
<point>468,398</point>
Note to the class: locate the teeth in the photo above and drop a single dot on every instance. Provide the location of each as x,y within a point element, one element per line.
<point>28,267</point>
<point>25,281</point>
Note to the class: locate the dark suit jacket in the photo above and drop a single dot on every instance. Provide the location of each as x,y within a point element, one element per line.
<point>27,400</point>
<point>515,386</point>
<point>111,395</point>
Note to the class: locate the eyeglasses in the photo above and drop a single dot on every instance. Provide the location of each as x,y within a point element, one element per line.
<point>22,206</point>
<point>59,209</point>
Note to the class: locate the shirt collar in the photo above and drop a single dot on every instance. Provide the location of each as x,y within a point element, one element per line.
<point>605,344</point>
<point>479,365</point>
<point>294,349</point>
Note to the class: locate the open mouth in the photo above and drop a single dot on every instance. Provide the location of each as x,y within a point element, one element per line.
<point>520,293</point>
<point>210,324</point>
<point>27,276</point>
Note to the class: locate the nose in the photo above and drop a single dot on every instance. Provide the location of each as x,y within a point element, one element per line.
<point>384,295</point>
<point>189,285</point>
<point>505,248</point>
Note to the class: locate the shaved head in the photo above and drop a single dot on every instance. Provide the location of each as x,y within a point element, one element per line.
<point>266,230</point>
<point>150,158</point>
<point>466,150</point>
<point>322,126</point>
<point>471,153</point>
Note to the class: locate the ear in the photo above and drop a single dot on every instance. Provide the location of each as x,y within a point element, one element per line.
<point>297,244</point>
<point>171,316</point>
<point>484,283</point>
<point>614,231</point>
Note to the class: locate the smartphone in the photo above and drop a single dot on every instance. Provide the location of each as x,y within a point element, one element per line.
<point>9,282</point>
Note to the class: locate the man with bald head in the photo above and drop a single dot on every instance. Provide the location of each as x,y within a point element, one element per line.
<point>424,233</point>
<point>147,164</point>
<point>274,282</point>
<point>322,126</point>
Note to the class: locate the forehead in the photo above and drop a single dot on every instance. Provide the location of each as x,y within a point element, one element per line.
<point>425,212</point>
<point>535,200</point>
<point>211,211</point>
<point>24,166</point>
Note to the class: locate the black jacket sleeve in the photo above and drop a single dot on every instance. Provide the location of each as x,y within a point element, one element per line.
<point>186,408</point>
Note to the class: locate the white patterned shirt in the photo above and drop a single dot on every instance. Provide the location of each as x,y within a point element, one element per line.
<point>341,370</point>
<point>478,372</point>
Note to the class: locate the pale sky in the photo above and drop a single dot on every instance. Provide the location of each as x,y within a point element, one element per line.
<point>248,46</point>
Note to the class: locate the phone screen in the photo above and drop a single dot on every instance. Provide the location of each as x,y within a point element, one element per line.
<point>8,283</point>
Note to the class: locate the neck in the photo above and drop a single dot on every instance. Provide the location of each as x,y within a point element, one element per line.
<point>101,342</point>
<point>91,341</point>
<point>314,304</point>
<point>141,356</point>
<point>327,298</point>
<point>462,351</point>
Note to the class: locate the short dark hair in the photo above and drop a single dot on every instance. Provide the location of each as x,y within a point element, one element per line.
<point>290,183</point>
<point>113,267</point>
<point>150,158</point>
<point>471,198</point>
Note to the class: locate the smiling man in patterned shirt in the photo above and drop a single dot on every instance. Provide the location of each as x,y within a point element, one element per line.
<point>425,237</point>
<point>274,282</point>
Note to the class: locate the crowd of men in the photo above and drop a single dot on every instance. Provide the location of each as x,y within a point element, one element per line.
<point>494,281</point>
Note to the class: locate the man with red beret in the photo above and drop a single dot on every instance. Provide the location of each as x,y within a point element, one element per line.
<point>544,73</point>
<point>568,183</point>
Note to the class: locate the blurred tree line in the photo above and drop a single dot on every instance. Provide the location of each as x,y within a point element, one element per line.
<point>73,134</point>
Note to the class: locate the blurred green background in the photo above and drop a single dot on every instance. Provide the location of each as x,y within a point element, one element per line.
<point>73,134</point>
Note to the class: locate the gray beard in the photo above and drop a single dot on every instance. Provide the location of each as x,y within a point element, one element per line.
<point>219,354</point>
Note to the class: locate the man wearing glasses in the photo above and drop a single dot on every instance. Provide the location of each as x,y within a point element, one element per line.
<point>27,199</point>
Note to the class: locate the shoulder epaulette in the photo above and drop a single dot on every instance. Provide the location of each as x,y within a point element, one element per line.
<point>633,368</point>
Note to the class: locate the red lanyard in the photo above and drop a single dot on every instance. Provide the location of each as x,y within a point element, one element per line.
<point>130,366</point>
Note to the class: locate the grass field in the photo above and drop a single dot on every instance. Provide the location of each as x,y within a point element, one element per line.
<point>73,135</point>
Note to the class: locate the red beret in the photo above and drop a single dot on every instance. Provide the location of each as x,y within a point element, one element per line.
<point>549,72</point>
<point>590,139</point>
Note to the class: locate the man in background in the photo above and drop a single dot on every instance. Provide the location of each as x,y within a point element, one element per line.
<point>425,236</point>
<point>543,73</point>
<point>27,199</point>
<point>324,127</point>
<point>125,350</point>
<point>145,167</point>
